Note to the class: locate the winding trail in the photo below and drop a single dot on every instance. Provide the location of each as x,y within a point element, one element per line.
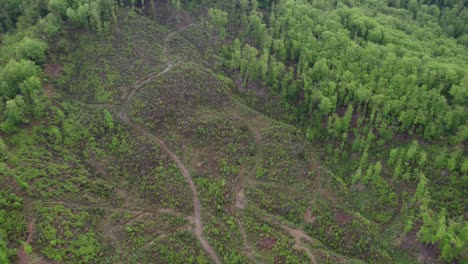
<point>241,199</point>
<point>124,116</point>
<point>300,237</point>
<point>23,257</point>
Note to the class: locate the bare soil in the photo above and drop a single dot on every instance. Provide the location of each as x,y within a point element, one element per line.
<point>23,257</point>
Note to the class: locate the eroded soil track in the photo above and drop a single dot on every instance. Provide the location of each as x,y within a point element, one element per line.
<point>23,257</point>
<point>124,116</point>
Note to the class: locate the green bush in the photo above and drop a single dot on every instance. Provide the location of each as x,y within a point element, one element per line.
<point>32,49</point>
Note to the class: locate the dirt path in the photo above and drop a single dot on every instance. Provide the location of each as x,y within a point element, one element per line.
<point>239,207</point>
<point>299,237</point>
<point>140,83</point>
<point>244,180</point>
<point>247,246</point>
<point>198,230</point>
<point>186,227</point>
<point>23,257</point>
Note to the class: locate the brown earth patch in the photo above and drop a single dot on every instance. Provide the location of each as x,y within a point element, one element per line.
<point>267,243</point>
<point>308,217</point>
<point>313,164</point>
<point>423,253</point>
<point>9,182</point>
<point>23,256</point>
<point>280,259</point>
<point>343,218</point>
<point>341,111</point>
<point>403,137</point>
<point>48,90</point>
<point>354,119</point>
<point>53,69</point>
<point>355,155</point>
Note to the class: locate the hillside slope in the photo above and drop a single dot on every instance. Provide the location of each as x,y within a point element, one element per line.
<point>148,153</point>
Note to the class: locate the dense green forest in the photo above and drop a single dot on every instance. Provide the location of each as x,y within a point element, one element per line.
<point>385,85</point>
<point>366,101</point>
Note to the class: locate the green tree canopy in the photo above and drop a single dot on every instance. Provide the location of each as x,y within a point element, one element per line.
<point>14,73</point>
<point>14,114</point>
<point>220,19</point>
<point>32,49</point>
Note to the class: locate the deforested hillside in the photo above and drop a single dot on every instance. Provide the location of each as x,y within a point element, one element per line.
<point>242,131</point>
